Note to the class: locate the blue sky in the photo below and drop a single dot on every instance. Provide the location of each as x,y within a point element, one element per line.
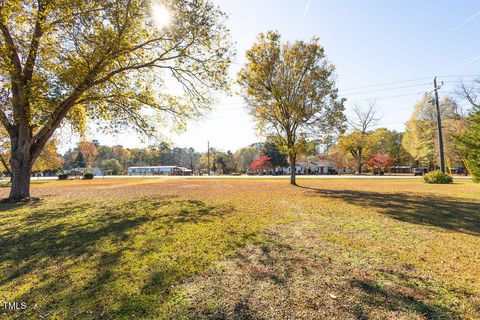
<point>370,42</point>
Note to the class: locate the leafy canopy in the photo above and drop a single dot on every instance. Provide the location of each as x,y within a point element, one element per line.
<point>470,140</point>
<point>261,163</point>
<point>277,158</point>
<point>420,138</point>
<point>290,90</point>
<point>108,60</point>
<point>382,161</point>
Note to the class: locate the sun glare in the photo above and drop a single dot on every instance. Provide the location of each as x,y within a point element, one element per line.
<point>161,15</point>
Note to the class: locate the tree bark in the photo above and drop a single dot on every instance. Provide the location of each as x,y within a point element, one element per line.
<point>21,174</point>
<point>293,171</point>
<point>359,161</point>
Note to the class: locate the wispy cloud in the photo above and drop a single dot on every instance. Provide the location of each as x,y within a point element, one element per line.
<point>460,26</point>
<point>307,7</point>
<point>465,63</point>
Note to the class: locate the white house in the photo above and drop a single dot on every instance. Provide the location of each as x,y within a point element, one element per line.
<point>314,167</point>
<point>305,166</point>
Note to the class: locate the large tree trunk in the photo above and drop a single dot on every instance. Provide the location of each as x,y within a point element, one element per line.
<point>293,172</point>
<point>25,149</point>
<point>359,161</point>
<point>21,173</point>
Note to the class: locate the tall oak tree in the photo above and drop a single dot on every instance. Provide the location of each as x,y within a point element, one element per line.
<point>290,90</point>
<point>65,61</point>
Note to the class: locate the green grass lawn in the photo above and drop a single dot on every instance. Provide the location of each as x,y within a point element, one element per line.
<point>242,249</point>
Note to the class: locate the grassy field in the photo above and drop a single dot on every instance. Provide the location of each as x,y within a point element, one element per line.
<point>242,249</point>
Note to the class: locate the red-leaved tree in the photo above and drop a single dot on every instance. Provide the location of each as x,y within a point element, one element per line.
<point>261,163</point>
<point>381,161</point>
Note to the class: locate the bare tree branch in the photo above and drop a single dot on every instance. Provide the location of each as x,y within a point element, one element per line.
<point>5,164</point>
<point>364,119</point>
<point>469,94</point>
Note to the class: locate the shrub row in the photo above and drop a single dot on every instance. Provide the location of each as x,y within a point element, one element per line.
<point>64,176</point>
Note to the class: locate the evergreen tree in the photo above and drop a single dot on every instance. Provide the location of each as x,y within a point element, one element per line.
<point>277,158</point>
<point>470,139</point>
<point>79,161</point>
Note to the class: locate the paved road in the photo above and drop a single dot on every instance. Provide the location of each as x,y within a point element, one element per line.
<point>256,177</point>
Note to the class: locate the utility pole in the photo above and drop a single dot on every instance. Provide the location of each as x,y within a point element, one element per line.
<point>208,157</point>
<point>439,127</point>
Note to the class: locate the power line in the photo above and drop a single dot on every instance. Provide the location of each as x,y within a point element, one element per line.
<point>383,84</point>
<point>242,103</point>
<point>387,89</point>
<point>454,81</point>
<point>386,84</point>
<point>354,101</point>
<point>390,97</point>
<point>239,104</point>
<point>461,76</point>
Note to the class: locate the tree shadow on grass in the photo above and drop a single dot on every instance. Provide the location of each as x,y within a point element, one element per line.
<point>439,211</point>
<point>395,299</point>
<point>29,248</point>
<point>6,205</point>
<point>93,238</point>
<point>252,290</point>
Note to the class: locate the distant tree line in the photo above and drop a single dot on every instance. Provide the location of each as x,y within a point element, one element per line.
<point>363,145</point>
<point>116,159</point>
